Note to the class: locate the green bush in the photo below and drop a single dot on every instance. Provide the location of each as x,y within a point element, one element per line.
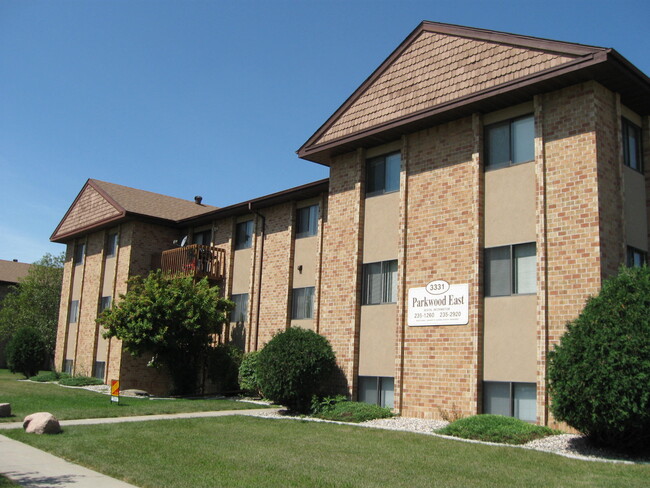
<point>339,408</point>
<point>80,381</point>
<point>599,373</point>
<point>46,376</point>
<point>223,367</point>
<point>496,428</point>
<point>294,366</point>
<point>25,352</point>
<point>248,373</point>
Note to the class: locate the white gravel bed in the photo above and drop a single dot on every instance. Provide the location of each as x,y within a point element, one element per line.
<point>568,445</point>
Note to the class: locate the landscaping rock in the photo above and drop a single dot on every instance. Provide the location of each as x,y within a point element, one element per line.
<point>41,423</point>
<point>134,392</point>
<point>5,409</point>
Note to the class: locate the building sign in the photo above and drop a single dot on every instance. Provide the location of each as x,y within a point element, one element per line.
<point>439,303</point>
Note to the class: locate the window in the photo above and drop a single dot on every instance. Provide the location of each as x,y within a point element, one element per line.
<point>111,245</point>
<point>632,149</point>
<point>510,270</point>
<point>382,174</point>
<point>105,303</point>
<point>510,142</point>
<point>379,283</point>
<point>377,390</point>
<point>204,237</point>
<point>636,257</point>
<point>99,369</point>
<point>307,221</point>
<point>79,252</point>
<point>73,313</point>
<point>67,366</point>
<point>510,399</point>
<point>240,312</point>
<point>302,304</point>
<point>244,235</point>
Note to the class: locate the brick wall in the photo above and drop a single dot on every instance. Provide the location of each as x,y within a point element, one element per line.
<point>441,364</point>
<point>62,329</point>
<point>339,287</point>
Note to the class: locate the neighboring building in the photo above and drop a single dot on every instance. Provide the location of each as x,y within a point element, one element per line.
<point>11,273</point>
<point>482,185</point>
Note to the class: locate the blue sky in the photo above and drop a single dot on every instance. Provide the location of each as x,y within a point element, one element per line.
<point>212,98</point>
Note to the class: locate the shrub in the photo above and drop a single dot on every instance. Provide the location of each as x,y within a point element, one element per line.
<point>248,380</point>
<point>599,373</point>
<point>25,352</point>
<point>223,367</point>
<point>46,376</point>
<point>496,428</point>
<point>295,365</point>
<point>339,408</point>
<point>80,381</point>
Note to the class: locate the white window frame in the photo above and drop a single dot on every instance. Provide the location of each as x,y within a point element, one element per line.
<point>513,284</point>
<point>388,282</point>
<point>510,123</point>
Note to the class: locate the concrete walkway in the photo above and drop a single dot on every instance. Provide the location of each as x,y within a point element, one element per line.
<point>32,467</point>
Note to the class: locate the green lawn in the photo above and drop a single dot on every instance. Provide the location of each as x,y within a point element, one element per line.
<point>255,452</point>
<point>74,403</point>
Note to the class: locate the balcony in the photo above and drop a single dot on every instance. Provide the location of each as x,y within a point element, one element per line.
<point>195,260</point>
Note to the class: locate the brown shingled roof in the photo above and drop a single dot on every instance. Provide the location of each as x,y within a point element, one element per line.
<point>100,203</point>
<point>13,272</point>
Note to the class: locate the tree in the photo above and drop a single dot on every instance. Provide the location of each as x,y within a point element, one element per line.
<point>26,352</point>
<point>599,373</point>
<point>34,302</point>
<point>294,366</point>
<point>172,318</point>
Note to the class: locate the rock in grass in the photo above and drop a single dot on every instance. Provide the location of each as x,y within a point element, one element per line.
<point>5,409</point>
<point>41,423</point>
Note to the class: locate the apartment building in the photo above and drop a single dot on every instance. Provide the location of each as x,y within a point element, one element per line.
<point>482,185</point>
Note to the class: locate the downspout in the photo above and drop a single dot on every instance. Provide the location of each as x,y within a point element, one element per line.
<point>259,280</point>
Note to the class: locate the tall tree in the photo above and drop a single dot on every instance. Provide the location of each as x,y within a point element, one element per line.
<point>34,302</point>
<point>174,319</point>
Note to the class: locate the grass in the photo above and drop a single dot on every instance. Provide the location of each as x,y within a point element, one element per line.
<point>247,452</point>
<point>496,428</point>
<point>71,403</point>
<point>6,482</point>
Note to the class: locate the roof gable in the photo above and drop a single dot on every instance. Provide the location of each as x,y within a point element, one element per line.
<point>91,208</point>
<point>437,65</point>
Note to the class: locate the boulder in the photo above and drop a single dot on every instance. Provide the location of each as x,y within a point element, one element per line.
<point>5,409</point>
<point>41,423</point>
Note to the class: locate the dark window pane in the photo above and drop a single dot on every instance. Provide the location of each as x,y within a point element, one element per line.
<point>386,392</point>
<point>393,163</point>
<point>368,389</point>
<point>240,312</point>
<point>389,279</point>
<point>79,251</point>
<point>372,284</point>
<point>632,145</point>
<point>525,401</point>
<point>497,271</point>
<point>303,303</point>
<point>375,177</point>
<point>111,245</point>
<point>497,141</point>
<point>244,235</point>
<point>307,221</point>
<point>496,398</point>
<point>523,140</point>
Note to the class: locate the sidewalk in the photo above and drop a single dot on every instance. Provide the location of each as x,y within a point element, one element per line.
<point>32,467</point>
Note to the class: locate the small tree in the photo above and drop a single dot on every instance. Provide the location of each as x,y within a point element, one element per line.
<point>294,366</point>
<point>599,373</point>
<point>172,318</point>
<point>26,352</point>
<point>248,380</point>
<point>34,303</point>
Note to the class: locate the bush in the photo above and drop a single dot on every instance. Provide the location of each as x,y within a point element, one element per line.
<point>496,428</point>
<point>46,376</point>
<point>223,367</point>
<point>340,409</point>
<point>294,366</point>
<point>80,381</point>
<point>26,352</point>
<point>248,380</point>
<point>599,373</point>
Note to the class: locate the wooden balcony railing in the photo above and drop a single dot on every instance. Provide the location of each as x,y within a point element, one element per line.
<point>195,260</point>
